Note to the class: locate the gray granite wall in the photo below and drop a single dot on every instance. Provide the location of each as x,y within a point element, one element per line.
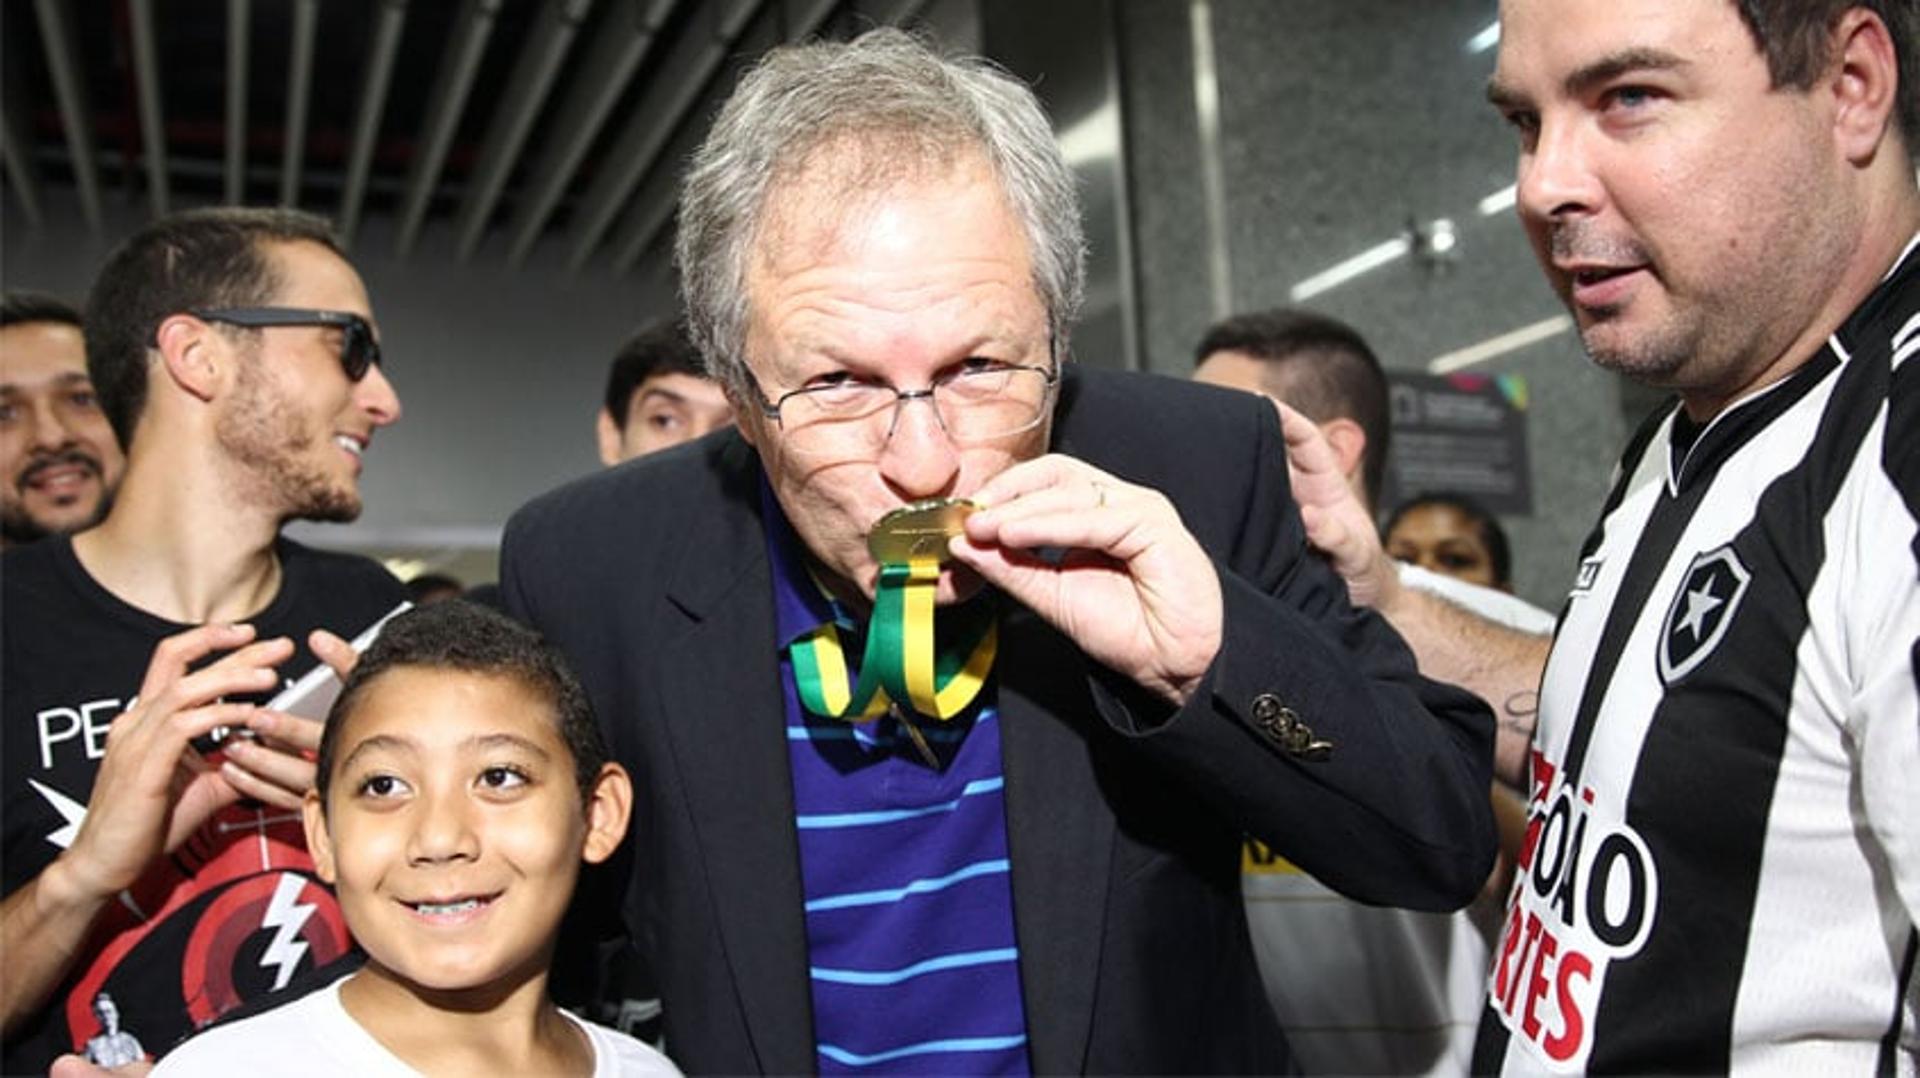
<point>1340,121</point>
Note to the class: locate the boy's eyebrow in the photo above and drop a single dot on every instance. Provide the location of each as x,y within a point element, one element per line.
<point>396,743</point>
<point>1588,76</point>
<point>389,742</point>
<point>515,741</point>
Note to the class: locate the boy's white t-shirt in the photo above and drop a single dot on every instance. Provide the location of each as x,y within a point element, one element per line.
<point>314,1035</point>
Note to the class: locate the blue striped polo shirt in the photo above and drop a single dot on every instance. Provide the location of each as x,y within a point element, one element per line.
<point>909,903</point>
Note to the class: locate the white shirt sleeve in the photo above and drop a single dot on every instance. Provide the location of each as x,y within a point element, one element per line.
<point>1497,606</point>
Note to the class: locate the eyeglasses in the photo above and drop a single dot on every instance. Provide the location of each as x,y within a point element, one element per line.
<point>980,401</point>
<point>358,350</point>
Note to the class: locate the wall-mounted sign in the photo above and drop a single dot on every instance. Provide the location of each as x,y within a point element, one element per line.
<point>1462,433</point>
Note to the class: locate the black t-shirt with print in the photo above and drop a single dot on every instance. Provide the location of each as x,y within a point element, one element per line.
<point>232,914</point>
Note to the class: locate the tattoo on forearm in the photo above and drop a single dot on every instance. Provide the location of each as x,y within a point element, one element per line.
<point>1518,713</point>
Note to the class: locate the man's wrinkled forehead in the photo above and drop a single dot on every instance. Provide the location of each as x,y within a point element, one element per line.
<point>845,179</point>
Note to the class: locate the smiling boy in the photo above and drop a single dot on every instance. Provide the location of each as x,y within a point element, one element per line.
<point>461,784</point>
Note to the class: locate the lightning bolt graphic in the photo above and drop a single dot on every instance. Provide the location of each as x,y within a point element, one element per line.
<point>288,917</point>
<point>70,810</point>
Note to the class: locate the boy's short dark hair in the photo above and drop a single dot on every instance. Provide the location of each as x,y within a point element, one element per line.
<point>19,308</point>
<point>662,348</point>
<point>212,257</point>
<point>466,637</point>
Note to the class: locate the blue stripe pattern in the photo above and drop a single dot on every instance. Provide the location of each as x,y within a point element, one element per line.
<point>917,887</point>
<point>931,965</point>
<point>907,886</point>
<point>868,819</point>
<point>956,1044</point>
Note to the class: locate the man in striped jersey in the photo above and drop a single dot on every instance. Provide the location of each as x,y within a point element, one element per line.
<point>1722,867</point>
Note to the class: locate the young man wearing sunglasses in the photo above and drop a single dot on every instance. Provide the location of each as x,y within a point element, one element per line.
<point>146,856</point>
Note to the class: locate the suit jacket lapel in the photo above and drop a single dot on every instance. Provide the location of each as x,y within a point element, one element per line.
<point>721,696</point>
<point>1059,834</point>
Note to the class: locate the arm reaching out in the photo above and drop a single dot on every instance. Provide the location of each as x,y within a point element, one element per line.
<point>1501,665</point>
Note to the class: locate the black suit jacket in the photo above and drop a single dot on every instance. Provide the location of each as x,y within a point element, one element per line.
<point>1124,816</point>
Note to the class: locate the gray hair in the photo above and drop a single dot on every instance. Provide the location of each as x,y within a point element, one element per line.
<point>885,91</point>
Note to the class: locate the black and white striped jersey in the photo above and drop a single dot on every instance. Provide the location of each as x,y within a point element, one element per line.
<point>1722,869</point>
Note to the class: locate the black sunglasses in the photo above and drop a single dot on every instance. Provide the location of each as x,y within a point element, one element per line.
<point>358,349</point>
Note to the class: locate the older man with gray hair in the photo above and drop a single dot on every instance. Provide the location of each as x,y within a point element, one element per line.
<point>948,720</point>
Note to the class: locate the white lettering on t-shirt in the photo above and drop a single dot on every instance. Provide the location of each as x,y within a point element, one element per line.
<point>88,722</point>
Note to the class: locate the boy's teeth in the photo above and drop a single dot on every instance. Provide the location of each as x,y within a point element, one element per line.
<point>440,908</point>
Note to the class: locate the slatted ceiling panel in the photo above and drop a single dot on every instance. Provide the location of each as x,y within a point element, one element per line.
<point>689,61</point>
<point>58,39</point>
<point>535,72</point>
<point>607,77</point>
<point>383,49</point>
<point>17,166</point>
<point>805,17</point>
<point>300,50</point>
<point>649,213</point>
<point>239,56</point>
<point>458,67</point>
<point>487,127</point>
<point>146,73</point>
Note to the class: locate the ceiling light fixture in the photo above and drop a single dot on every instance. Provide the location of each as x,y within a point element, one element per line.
<point>1513,340</point>
<point>1485,39</point>
<point>1334,276</point>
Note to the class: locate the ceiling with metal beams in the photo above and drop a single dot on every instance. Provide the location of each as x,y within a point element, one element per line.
<point>501,125</point>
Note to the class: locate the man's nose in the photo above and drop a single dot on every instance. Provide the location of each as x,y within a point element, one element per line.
<point>1556,176</point>
<point>376,396</point>
<point>49,428</point>
<point>919,458</point>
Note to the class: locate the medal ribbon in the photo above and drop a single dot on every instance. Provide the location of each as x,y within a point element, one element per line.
<point>901,660</point>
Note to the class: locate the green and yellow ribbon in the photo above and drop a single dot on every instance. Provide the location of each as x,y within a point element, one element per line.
<point>902,661</point>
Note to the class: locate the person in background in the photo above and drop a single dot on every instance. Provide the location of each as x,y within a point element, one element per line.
<point>1360,989</point>
<point>1450,534</point>
<point>235,354</point>
<point>658,396</point>
<point>1318,365</point>
<point>59,461</point>
<point>1326,371</point>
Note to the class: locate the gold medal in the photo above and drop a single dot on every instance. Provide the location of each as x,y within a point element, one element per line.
<point>918,532</point>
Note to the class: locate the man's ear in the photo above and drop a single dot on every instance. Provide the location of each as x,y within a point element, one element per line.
<point>1864,81</point>
<point>746,416</point>
<point>609,805</point>
<point>607,433</point>
<point>319,843</point>
<point>1349,442</point>
<point>193,354</point>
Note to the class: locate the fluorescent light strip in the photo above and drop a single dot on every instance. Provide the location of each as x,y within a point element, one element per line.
<point>1498,202</point>
<point>1095,137</point>
<point>1485,39</point>
<point>1213,184</point>
<point>1498,346</point>
<point>1370,259</point>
